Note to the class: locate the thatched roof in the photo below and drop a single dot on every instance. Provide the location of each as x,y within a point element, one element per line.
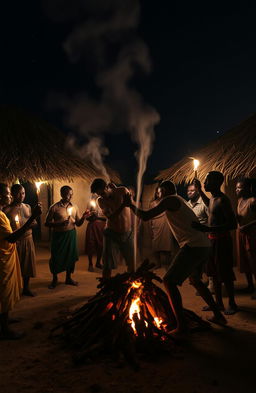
<point>34,150</point>
<point>233,154</point>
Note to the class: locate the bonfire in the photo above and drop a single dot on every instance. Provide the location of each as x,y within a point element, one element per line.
<point>129,314</point>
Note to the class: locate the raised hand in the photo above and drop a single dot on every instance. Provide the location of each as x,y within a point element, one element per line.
<point>86,213</point>
<point>197,184</point>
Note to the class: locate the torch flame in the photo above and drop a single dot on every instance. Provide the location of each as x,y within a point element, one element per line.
<point>38,185</point>
<point>69,210</point>
<point>196,164</point>
<point>17,219</point>
<point>93,203</point>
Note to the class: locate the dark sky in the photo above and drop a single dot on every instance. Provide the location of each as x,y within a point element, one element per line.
<point>202,82</point>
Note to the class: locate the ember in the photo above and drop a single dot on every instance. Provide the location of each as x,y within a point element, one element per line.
<point>129,314</point>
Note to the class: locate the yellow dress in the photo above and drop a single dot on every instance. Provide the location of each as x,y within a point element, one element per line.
<point>10,275</point>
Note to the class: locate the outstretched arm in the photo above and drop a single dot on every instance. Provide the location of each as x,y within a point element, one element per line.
<point>165,204</point>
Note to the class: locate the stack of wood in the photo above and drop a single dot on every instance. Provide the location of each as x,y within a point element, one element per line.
<point>129,314</point>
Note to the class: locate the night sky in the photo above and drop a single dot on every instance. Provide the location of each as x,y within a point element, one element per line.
<point>202,80</point>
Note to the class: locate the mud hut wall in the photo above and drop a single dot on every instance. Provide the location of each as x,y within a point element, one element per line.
<point>43,198</point>
<point>81,197</point>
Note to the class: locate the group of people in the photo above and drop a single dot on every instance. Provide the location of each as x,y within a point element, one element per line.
<point>200,228</point>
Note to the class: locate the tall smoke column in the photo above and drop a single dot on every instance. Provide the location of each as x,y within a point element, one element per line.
<point>93,150</point>
<point>105,34</point>
<point>144,136</point>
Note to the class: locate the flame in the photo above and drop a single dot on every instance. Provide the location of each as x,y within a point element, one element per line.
<point>69,210</point>
<point>134,309</point>
<point>17,219</point>
<point>38,185</point>
<point>93,203</point>
<point>196,164</point>
<point>158,322</point>
<point>136,284</point>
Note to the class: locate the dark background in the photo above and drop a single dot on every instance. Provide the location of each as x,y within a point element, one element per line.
<point>202,83</point>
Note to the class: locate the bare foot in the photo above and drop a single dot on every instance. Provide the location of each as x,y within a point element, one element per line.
<point>221,320</point>
<point>231,309</point>
<point>53,284</point>
<point>71,282</point>
<point>27,292</point>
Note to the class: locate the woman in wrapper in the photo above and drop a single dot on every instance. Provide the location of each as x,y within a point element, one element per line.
<point>246,233</point>
<point>94,235</point>
<point>10,274</point>
<point>18,213</point>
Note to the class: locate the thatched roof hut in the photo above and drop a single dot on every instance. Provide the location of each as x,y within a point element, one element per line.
<point>233,154</point>
<point>34,150</point>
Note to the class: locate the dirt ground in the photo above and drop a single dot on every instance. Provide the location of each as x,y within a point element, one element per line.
<point>216,361</point>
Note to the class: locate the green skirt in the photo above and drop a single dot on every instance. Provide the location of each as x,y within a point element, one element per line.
<point>64,252</point>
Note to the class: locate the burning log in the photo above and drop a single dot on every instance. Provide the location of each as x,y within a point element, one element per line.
<point>129,314</point>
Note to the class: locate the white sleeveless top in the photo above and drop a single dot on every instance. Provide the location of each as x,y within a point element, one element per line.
<point>180,224</point>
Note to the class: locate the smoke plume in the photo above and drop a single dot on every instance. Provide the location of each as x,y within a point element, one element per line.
<point>98,27</point>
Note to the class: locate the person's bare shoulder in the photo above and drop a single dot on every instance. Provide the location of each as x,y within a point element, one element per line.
<point>100,202</point>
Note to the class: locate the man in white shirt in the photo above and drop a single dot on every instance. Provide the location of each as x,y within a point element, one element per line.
<point>190,258</point>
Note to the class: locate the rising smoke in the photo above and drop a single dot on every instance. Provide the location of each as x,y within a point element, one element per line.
<point>98,26</point>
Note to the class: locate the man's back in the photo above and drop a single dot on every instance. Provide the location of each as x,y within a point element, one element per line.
<point>119,223</point>
<point>180,222</point>
<point>220,211</point>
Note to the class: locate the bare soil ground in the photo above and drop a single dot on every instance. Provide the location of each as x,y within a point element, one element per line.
<point>216,361</point>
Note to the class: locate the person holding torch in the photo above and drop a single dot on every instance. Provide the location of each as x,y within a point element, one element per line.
<point>63,217</point>
<point>10,274</point>
<point>94,235</point>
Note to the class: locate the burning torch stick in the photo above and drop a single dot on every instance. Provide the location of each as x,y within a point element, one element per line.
<point>93,203</point>
<point>17,221</point>
<point>196,165</point>
<point>38,185</point>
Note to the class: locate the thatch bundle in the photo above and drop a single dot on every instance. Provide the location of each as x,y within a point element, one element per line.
<point>233,154</point>
<point>34,150</point>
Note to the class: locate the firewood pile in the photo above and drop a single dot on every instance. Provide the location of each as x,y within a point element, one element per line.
<point>129,314</point>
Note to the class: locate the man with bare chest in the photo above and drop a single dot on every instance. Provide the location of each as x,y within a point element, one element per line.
<point>220,222</point>
<point>118,235</point>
